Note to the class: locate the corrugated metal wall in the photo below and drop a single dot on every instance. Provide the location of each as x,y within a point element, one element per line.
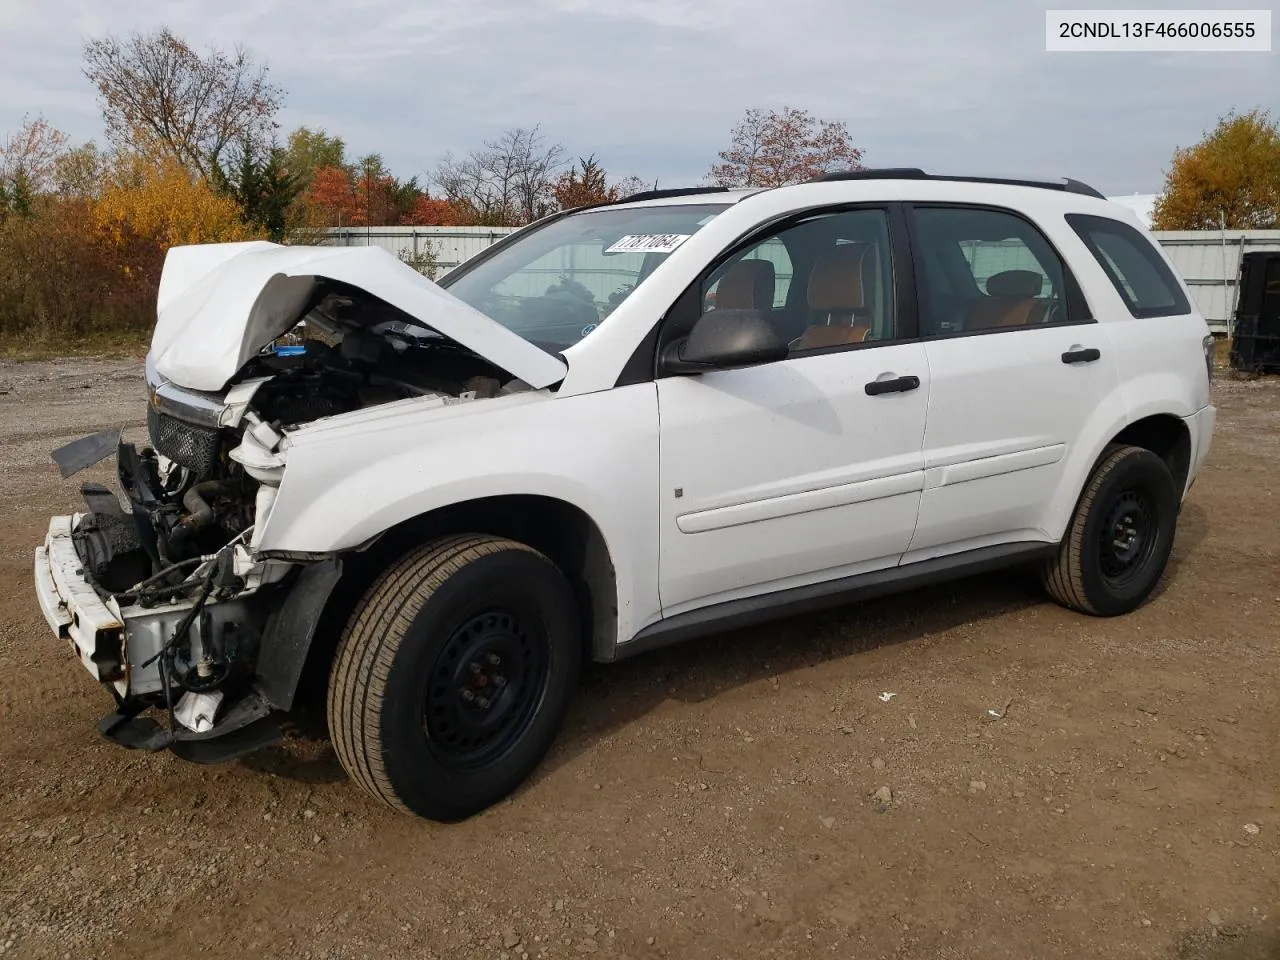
<point>1209,261</point>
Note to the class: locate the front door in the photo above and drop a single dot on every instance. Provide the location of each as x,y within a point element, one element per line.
<point>809,468</point>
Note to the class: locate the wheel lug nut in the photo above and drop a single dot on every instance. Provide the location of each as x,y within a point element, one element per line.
<point>499,681</point>
<point>468,696</point>
<point>494,659</point>
<point>475,668</point>
<point>484,703</point>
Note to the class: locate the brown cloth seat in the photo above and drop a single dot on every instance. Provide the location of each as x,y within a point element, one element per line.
<point>836,299</point>
<point>1010,301</point>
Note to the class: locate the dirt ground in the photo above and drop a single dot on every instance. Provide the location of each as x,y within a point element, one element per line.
<point>715,800</point>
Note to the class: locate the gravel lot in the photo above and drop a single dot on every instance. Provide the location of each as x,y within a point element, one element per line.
<point>724,799</point>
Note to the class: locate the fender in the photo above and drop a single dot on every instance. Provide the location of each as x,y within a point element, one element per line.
<point>352,477</point>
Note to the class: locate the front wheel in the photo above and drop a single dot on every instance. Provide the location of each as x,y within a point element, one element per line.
<point>454,674</point>
<point>1120,536</point>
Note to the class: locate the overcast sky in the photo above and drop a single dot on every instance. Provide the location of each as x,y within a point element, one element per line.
<point>652,87</point>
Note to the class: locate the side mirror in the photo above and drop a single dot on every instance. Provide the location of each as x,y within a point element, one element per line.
<point>722,339</point>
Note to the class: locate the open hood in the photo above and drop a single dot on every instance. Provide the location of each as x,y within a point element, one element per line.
<point>220,303</point>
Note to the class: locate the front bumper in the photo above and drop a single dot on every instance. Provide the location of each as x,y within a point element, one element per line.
<point>74,610</point>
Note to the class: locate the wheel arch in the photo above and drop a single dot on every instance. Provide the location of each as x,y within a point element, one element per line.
<point>562,531</point>
<point>1165,435</point>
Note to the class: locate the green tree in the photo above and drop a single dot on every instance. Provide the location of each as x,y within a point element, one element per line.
<point>263,188</point>
<point>1231,176</point>
<point>307,150</point>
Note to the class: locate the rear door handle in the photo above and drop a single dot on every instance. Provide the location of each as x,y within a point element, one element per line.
<point>896,385</point>
<point>1087,355</point>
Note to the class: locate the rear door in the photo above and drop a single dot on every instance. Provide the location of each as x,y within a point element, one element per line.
<point>1017,368</point>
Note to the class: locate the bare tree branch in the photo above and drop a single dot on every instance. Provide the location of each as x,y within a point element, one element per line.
<point>508,181</point>
<point>157,93</point>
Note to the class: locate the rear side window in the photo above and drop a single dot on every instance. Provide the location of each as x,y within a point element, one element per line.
<point>1137,271</point>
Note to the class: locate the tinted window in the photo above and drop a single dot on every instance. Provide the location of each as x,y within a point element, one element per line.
<point>983,269</point>
<point>825,282</point>
<point>1136,269</point>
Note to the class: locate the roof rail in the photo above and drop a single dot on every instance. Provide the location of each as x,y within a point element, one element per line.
<point>915,173</point>
<point>673,192</point>
<point>876,173</point>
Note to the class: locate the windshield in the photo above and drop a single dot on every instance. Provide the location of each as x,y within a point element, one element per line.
<point>559,283</point>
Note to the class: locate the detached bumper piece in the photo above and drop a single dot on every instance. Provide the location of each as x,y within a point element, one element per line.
<point>248,726</point>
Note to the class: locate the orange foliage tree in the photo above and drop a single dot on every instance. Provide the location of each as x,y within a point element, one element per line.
<point>331,196</point>
<point>430,212</point>
<point>160,200</point>
<point>1231,176</point>
<point>780,147</point>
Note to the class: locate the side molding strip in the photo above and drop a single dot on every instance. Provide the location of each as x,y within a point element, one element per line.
<point>734,614</point>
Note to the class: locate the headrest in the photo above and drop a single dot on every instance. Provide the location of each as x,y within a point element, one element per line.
<point>1015,284</point>
<point>835,283</point>
<point>747,285</point>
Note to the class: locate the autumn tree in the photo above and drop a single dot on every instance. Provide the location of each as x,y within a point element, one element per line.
<point>159,95</point>
<point>584,183</point>
<point>1231,176</point>
<point>28,163</point>
<point>429,211</point>
<point>506,182</point>
<point>769,149</point>
<point>78,173</point>
<point>332,197</point>
<point>165,203</point>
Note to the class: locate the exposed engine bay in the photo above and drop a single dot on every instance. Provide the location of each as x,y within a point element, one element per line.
<point>176,564</point>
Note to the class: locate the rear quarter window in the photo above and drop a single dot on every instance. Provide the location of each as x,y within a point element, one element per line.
<point>1134,266</point>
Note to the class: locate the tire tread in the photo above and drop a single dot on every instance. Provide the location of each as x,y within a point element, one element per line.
<point>1063,575</point>
<point>369,644</point>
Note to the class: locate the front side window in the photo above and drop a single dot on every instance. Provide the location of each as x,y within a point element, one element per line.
<point>556,285</point>
<point>1135,268</point>
<point>826,281</point>
<point>985,270</point>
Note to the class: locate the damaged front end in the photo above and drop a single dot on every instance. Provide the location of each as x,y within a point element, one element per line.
<point>164,595</point>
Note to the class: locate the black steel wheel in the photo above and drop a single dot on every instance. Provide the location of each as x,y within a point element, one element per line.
<point>454,674</point>
<point>485,687</point>
<point>1120,537</point>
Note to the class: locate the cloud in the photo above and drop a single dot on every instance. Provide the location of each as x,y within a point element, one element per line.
<point>653,86</point>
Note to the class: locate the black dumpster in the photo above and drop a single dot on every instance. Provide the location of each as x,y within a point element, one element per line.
<point>1255,346</point>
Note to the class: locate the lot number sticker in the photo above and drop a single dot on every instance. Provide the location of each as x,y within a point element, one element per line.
<point>648,243</point>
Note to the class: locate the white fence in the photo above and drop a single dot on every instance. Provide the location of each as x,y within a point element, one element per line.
<point>448,246</point>
<point>1209,261</point>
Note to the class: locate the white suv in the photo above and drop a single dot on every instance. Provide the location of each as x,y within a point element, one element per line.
<point>620,427</point>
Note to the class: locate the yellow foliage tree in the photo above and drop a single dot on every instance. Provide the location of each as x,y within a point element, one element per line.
<point>1232,175</point>
<point>159,200</point>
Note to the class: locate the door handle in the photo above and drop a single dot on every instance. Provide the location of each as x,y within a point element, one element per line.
<point>1086,355</point>
<point>896,385</point>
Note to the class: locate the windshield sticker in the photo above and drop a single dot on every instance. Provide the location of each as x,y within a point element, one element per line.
<point>648,243</point>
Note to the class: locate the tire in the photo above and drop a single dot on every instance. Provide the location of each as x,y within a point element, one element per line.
<point>453,675</point>
<point>1120,536</point>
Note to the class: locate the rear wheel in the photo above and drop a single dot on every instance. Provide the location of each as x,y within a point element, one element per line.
<point>453,675</point>
<point>1120,536</point>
